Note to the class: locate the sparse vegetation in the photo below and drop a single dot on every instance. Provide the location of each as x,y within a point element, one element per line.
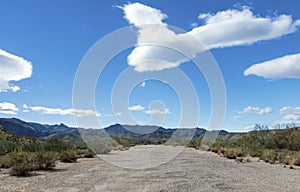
<point>272,146</point>
<point>23,155</point>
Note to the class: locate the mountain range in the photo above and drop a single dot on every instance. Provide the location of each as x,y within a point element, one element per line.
<point>141,134</point>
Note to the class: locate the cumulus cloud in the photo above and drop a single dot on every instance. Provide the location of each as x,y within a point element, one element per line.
<point>256,110</point>
<point>58,111</point>
<point>12,68</point>
<point>291,115</point>
<point>160,48</point>
<point>283,67</point>
<point>158,111</point>
<point>136,108</point>
<point>8,108</point>
<point>139,14</point>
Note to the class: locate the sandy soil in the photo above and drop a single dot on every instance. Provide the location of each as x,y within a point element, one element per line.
<point>191,170</point>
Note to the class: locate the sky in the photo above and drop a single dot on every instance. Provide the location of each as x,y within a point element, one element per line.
<point>251,47</point>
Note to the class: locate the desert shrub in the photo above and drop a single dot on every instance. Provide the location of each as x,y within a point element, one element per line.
<point>215,149</point>
<point>269,156</point>
<point>68,156</point>
<point>195,143</point>
<point>22,163</point>
<point>85,153</point>
<point>19,157</point>
<point>297,159</point>
<point>229,153</point>
<point>6,161</point>
<point>292,159</point>
<point>57,145</point>
<point>233,153</point>
<point>255,153</point>
<point>20,170</point>
<point>46,159</point>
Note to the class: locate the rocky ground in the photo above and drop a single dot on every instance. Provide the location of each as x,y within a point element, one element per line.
<point>190,170</point>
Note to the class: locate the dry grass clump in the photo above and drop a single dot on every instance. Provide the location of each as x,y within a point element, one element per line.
<point>269,156</point>
<point>85,153</point>
<point>245,159</point>
<point>68,156</point>
<point>291,160</point>
<point>233,153</point>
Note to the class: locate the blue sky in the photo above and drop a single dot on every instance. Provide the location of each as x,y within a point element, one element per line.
<point>254,43</point>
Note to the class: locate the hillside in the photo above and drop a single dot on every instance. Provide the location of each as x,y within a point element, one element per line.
<point>10,141</point>
<point>4,135</point>
<point>34,130</point>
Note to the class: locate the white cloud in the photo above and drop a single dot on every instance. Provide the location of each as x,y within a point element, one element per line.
<point>194,25</point>
<point>156,44</point>
<point>143,84</point>
<point>158,111</point>
<point>283,67</point>
<point>291,115</point>
<point>290,110</point>
<point>25,106</point>
<point>57,111</point>
<point>111,115</point>
<point>256,110</point>
<point>139,14</point>
<point>136,108</point>
<point>12,68</point>
<point>241,27</point>
<point>8,108</point>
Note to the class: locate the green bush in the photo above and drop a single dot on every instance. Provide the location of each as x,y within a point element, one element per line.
<point>20,170</point>
<point>68,156</point>
<point>46,160</point>
<point>22,163</point>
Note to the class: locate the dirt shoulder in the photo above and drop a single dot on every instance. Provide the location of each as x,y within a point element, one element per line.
<point>191,170</point>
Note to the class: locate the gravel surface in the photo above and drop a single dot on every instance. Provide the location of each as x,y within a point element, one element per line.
<point>191,170</point>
